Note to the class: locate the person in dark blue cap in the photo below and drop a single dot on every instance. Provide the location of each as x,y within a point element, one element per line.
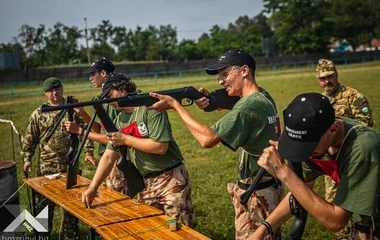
<point>99,71</point>
<point>250,125</point>
<point>312,130</point>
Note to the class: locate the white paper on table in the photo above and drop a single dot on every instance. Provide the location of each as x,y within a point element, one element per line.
<point>54,176</point>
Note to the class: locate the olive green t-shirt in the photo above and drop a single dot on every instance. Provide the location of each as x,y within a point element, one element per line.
<point>358,165</point>
<point>156,126</point>
<point>112,113</point>
<point>250,124</point>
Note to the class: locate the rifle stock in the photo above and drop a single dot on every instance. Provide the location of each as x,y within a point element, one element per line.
<point>300,214</point>
<point>134,180</point>
<point>219,99</point>
<point>247,194</point>
<point>71,176</point>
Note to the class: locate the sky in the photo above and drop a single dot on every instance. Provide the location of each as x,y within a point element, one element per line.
<point>190,17</point>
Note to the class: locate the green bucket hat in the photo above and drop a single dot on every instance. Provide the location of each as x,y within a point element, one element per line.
<point>51,83</point>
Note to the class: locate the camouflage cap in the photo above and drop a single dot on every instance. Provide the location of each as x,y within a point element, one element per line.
<point>325,68</point>
<point>51,83</point>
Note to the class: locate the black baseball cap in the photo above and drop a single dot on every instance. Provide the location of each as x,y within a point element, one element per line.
<point>109,81</point>
<point>306,119</point>
<point>236,57</point>
<point>99,65</point>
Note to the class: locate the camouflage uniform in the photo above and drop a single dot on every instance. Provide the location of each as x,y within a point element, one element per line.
<point>259,206</point>
<point>52,157</point>
<point>347,102</point>
<point>170,192</point>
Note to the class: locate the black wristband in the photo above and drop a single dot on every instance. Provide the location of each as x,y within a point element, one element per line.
<point>268,226</point>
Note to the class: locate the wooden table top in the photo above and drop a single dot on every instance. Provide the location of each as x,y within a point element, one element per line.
<point>109,207</point>
<point>155,227</point>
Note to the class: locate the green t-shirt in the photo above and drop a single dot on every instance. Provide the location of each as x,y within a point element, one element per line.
<point>250,124</point>
<point>156,126</point>
<point>358,166</point>
<point>112,113</point>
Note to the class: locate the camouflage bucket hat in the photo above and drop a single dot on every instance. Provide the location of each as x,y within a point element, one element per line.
<point>325,68</point>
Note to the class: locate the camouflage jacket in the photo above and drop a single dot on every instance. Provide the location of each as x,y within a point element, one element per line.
<point>55,150</point>
<point>348,102</point>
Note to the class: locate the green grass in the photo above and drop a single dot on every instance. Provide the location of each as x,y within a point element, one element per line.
<point>210,169</point>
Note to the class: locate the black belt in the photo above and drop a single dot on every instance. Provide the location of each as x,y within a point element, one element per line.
<point>262,185</point>
<point>156,174</point>
<point>367,229</point>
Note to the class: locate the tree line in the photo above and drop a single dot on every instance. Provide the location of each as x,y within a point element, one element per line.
<point>289,26</point>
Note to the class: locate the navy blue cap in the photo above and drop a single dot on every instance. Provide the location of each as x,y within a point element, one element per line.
<point>306,120</point>
<point>235,57</point>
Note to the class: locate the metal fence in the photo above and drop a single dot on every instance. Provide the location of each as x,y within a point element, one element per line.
<point>22,88</point>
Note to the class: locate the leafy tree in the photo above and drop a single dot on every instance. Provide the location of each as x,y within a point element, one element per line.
<point>299,25</point>
<point>187,50</point>
<point>167,37</point>
<point>101,36</point>
<point>120,41</point>
<point>62,44</point>
<point>32,41</point>
<point>355,20</point>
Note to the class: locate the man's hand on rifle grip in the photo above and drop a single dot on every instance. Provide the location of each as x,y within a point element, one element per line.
<point>73,127</point>
<point>271,160</point>
<point>202,103</point>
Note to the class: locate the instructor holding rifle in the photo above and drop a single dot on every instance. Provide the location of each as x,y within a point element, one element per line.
<point>250,125</point>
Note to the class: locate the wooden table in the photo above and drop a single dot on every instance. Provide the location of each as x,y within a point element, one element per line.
<point>155,227</point>
<point>109,207</point>
<point>112,215</point>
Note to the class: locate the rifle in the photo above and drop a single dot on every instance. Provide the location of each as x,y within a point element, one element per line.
<point>219,99</point>
<point>300,214</point>
<point>71,176</point>
<point>134,99</point>
<point>135,181</point>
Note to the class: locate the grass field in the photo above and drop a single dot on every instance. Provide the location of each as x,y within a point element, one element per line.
<point>210,169</point>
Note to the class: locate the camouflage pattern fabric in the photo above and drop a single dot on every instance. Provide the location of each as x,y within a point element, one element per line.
<point>115,180</point>
<point>171,193</point>
<point>259,206</point>
<point>325,68</point>
<point>52,158</point>
<point>357,235</point>
<point>348,102</point>
<point>52,155</point>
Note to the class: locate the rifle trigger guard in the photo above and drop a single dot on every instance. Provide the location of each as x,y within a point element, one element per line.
<point>293,205</point>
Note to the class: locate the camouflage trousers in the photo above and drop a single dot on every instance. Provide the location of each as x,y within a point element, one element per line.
<point>70,223</point>
<point>259,206</point>
<point>357,235</point>
<point>115,180</point>
<point>330,193</point>
<point>171,193</point>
